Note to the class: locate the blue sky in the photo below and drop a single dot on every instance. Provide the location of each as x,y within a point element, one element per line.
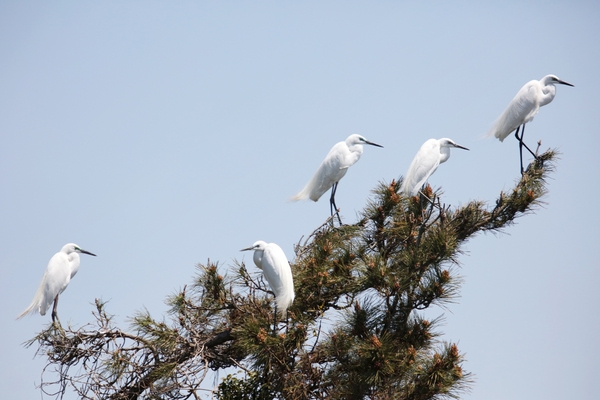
<point>161,134</point>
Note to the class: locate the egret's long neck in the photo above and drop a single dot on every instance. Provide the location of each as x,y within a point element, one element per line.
<point>74,263</point>
<point>548,93</point>
<point>445,152</point>
<point>257,257</point>
<point>356,151</point>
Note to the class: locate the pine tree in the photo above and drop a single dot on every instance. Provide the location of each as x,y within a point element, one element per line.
<point>355,330</point>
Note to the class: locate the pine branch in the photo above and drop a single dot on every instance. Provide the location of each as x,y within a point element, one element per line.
<point>354,331</point>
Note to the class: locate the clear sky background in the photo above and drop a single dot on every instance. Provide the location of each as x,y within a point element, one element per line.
<point>161,134</point>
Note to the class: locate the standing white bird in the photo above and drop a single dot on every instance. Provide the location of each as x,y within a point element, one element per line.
<point>333,168</point>
<point>431,154</point>
<point>523,107</point>
<point>61,269</point>
<point>271,259</point>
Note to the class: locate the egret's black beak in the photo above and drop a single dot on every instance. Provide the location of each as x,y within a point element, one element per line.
<point>86,252</point>
<point>248,248</point>
<point>564,83</point>
<point>373,144</point>
<point>460,147</point>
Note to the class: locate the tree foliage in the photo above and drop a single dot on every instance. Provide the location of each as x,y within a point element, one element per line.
<point>355,330</point>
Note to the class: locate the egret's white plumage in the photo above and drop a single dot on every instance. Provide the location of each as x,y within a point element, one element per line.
<point>61,269</point>
<point>271,259</point>
<point>525,105</point>
<point>431,154</point>
<point>333,168</point>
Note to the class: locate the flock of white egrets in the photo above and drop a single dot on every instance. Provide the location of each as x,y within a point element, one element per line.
<point>269,257</point>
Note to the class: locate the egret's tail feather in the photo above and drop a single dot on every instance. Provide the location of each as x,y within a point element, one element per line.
<point>409,187</point>
<point>27,311</point>
<point>490,133</point>
<point>284,300</point>
<point>304,194</point>
<point>404,188</point>
<point>495,132</point>
<point>300,196</point>
<point>313,190</point>
<point>32,309</point>
<point>35,304</point>
<point>502,127</point>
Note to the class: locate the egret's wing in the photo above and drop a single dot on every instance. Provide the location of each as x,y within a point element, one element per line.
<point>523,107</point>
<point>329,172</point>
<point>55,280</point>
<point>278,273</point>
<point>422,166</point>
<point>520,110</point>
<point>274,262</point>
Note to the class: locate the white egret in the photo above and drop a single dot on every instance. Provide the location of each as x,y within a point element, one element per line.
<point>271,259</point>
<point>333,168</point>
<point>61,269</point>
<point>431,154</point>
<point>523,107</point>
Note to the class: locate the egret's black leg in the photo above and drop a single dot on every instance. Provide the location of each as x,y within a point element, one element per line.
<point>275,321</point>
<point>332,205</point>
<point>54,308</point>
<point>332,199</point>
<point>522,144</point>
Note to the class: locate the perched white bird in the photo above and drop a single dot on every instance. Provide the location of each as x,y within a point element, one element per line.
<point>431,154</point>
<point>276,269</point>
<point>333,168</point>
<point>523,107</point>
<point>61,269</point>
